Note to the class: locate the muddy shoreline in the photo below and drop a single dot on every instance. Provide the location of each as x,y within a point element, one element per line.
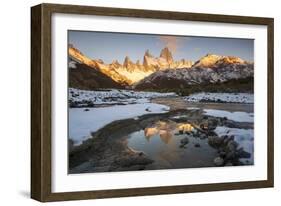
<point>179,103</point>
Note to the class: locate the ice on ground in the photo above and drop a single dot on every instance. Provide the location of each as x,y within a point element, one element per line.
<point>82,123</point>
<point>235,116</point>
<point>112,96</point>
<point>72,64</point>
<point>221,97</point>
<point>244,137</point>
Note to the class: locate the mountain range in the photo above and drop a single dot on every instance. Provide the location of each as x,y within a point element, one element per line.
<point>154,72</point>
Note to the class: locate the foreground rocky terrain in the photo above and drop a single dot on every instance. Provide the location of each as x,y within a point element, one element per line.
<point>108,148</point>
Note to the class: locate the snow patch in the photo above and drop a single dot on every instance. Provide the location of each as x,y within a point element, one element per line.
<point>72,64</point>
<point>82,123</point>
<point>112,97</point>
<point>235,116</point>
<point>221,97</point>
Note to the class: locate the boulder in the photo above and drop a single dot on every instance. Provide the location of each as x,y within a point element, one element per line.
<point>215,141</point>
<point>133,159</point>
<point>230,155</point>
<point>184,141</point>
<point>241,153</point>
<point>208,125</point>
<point>218,161</point>
<point>197,145</point>
<point>231,146</point>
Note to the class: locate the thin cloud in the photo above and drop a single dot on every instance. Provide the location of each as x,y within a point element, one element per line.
<point>172,42</point>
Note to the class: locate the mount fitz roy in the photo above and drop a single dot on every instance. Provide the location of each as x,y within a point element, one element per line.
<point>154,72</point>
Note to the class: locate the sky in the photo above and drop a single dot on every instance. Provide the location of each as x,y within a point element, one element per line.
<point>110,46</point>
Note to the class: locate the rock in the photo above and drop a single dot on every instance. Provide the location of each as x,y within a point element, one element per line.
<point>184,141</point>
<point>90,104</point>
<point>204,126</point>
<point>141,153</point>
<point>86,110</point>
<point>203,136</point>
<point>228,164</point>
<point>209,124</point>
<point>147,109</point>
<point>196,134</point>
<point>231,137</point>
<point>215,141</point>
<point>197,145</point>
<point>130,168</point>
<point>230,155</point>
<point>222,154</point>
<point>227,139</point>
<point>241,153</point>
<point>133,159</point>
<point>231,146</point>
<point>218,161</point>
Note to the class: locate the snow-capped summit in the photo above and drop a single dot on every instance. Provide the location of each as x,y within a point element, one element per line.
<point>213,61</point>
<point>209,69</point>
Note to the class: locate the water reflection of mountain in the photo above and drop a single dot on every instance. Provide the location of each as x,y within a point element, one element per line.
<point>165,130</point>
<point>164,134</point>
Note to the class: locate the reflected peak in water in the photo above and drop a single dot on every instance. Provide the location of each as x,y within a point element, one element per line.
<point>185,127</point>
<point>162,129</point>
<point>165,130</point>
<point>150,131</point>
<point>165,136</point>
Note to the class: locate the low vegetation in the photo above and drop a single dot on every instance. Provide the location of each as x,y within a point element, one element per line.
<point>231,86</point>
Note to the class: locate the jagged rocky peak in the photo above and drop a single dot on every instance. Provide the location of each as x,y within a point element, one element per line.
<point>127,62</point>
<point>167,55</point>
<point>138,63</point>
<point>74,50</point>
<point>148,54</point>
<point>186,63</point>
<point>100,61</point>
<point>115,64</point>
<point>80,57</point>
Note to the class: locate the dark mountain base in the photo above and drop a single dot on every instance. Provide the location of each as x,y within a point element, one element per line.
<point>231,86</point>
<point>87,78</point>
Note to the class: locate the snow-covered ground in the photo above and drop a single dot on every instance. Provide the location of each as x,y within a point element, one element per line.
<point>244,137</point>
<point>82,123</point>
<point>112,97</point>
<point>221,97</point>
<point>235,116</point>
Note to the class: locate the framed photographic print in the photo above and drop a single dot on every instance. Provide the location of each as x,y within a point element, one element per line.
<point>130,102</point>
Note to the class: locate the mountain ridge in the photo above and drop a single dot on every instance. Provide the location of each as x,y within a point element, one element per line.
<point>129,72</point>
<point>164,71</point>
<point>209,69</point>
